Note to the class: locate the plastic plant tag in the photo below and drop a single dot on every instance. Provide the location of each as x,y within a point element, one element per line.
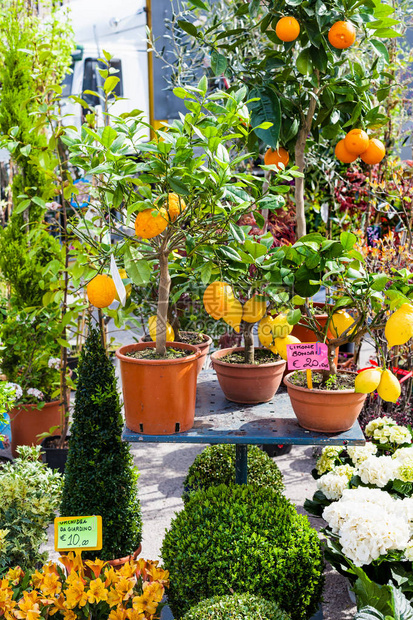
<point>72,533</point>
<point>120,287</point>
<point>307,356</point>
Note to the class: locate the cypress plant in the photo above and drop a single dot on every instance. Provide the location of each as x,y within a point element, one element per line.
<point>100,478</point>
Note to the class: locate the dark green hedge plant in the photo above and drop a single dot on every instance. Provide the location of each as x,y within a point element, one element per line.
<point>100,478</point>
<point>243,539</point>
<point>236,607</point>
<point>216,465</point>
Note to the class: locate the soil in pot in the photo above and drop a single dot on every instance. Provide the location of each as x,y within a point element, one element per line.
<point>248,383</point>
<point>200,341</point>
<point>324,410</point>
<point>159,394</point>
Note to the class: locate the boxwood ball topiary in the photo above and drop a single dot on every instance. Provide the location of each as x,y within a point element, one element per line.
<point>243,539</point>
<point>216,465</point>
<point>100,478</point>
<point>236,607</point>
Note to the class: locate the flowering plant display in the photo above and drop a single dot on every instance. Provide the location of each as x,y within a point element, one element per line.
<point>90,590</point>
<point>385,462</point>
<point>7,400</point>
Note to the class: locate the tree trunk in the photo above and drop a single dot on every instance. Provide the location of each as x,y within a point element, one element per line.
<point>163,304</point>
<point>247,330</point>
<point>299,183</point>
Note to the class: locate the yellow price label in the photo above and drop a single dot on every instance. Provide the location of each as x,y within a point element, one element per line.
<point>84,533</point>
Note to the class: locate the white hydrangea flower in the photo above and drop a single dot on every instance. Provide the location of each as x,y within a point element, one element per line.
<point>405,470</point>
<point>36,393</point>
<point>375,424</point>
<point>328,456</point>
<point>377,470</point>
<point>369,523</point>
<point>408,552</point>
<point>332,485</point>
<point>401,454</point>
<point>54,362</point>
<point>17,389</point>
<point>361,453</point>
<point>399,435</point>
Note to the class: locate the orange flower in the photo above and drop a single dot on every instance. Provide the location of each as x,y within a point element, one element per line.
<point>96,566</point>
<point>158,574</point>
<point>118,614</point>
<point>28,604</point>
<point>68,614</point>
<point>76,595</point>
<point>72,562</point>
<point>111,576</point>
<point>148,601</point>
<point>58,604</point>
<point>15,575</point>
<point>50,585</point>
<point>133,614</point>
<point>128,570</point>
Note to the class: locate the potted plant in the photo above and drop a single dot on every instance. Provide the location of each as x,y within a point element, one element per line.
<point>183,191</point>
<point>100,478</point>
<point>334,400</point>
<point>7,400</point>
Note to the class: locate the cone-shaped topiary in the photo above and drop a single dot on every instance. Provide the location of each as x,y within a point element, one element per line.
<point>100,478</point>
<point>216,465</point>
<point>243,539</point>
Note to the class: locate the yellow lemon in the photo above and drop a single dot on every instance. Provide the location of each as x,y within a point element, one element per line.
<point>128,287</point>
<point>389,387</point>
<point>281,327</point>
<point>170,335</point>
<point>254,309</point>
<point>175,206</point>
<point>399,327</point>
<point>217,299</point>
<point>265,334</point>
<point>368,380</point>
<point>234,315</point>
<point>280,345</point>
<point>340,321</point>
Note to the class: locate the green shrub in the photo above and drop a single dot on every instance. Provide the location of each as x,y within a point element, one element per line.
<point>30,494</point>
<point>236,607</point>
<point>100,478</point>
<point>243,539</point>
<point>216,465</point>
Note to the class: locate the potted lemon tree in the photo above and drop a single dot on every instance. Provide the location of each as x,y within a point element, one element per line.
<point>163,198</point>
<point>330,401</point>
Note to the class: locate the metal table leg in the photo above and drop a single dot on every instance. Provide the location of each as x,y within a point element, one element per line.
<point>241,464</point>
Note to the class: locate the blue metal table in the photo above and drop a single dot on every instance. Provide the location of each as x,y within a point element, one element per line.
<point>218,420</point>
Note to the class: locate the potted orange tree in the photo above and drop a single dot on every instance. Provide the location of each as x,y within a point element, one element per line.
<point>179,191</point>
<point>332,401</point>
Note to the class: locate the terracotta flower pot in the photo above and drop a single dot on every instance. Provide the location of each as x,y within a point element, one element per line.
<point>159,395</point>
<point>28,421</point>
<point>247,383</point>
<point>117,564</point>
<point>204,348</point>
<point>325,411</point>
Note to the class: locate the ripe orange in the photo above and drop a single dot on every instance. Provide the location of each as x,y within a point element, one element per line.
<point>342,35</point>
<point>287,29</point>
<point>175,206</point>
<point>374,153</point>
<point>343,154</point>
<point>280,156</point>
<point>151,222</point>
<point>356,141</point>
<point>101,291</point>
<point>218,298</point>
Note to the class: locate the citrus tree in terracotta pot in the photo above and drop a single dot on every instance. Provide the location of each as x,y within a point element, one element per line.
<point>163,199</point>
<point>359,304</point>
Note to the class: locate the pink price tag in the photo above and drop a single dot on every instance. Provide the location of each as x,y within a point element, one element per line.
<point>307,356</point>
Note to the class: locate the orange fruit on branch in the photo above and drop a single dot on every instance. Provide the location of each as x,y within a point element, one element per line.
<point>342,35</point>
<point>175,206</point>
<point>101,291</point>
<point>151,223</point>
<point>343,154</point>
<point>287,29</point>
<point>218,299</point>
<point>356,141</point>
<point>275,158</point>
<point>374,152</point>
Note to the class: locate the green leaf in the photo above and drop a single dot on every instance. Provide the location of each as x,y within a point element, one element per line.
<point>108,136</point>
<point>303,62</point>
<point>237,232</point>
<point>110,83</point>
<point>266,110</point>
<point>22,206</point>
<point>199,4</point>
<point>294,316</point>
<point>230,253</point>
<point>255,249</point>
<point>381,49</point>
<point>139,271</point>
<point>188,27</point>
<point>218,63</point>
<point>347,240</point>
<point>206,272</point>
<point>178,186</point>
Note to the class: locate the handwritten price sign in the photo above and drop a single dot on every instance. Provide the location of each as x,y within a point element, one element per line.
<point>72,533</point>
<point>307,356</point>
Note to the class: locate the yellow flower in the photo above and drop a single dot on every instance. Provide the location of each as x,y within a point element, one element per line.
<point>6,597</point>
<point>50,585</point>
<point>128,570</point>
<point>76,595</point>
<point>72,562</point>
<point>148,601</point>
<point>114,598</point>
<point>96,566</point>
<point>118,614</point>
<point>58,604</point>
<point>68,614</point>
<point>27,604</point>
<point>111,576</point>
<point>159,574</point>
<point>97,591</point>
<point>133,614</point>
<point>15,575</point>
